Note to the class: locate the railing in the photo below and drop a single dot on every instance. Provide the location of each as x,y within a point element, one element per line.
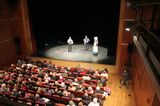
<point>150,44</point>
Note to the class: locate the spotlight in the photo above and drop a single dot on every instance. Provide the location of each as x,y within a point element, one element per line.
<point>127,29</point>
<point>129,25</point>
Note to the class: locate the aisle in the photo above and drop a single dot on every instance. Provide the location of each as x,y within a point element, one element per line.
<point>119,96</point>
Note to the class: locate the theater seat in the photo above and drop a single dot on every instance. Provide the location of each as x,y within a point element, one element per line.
<point>59,104</point>
<point>99,96</point>
<point>78,93</point>
<point>40,103</point>
<point>76,99</point>
<point>94,82</point>
<point>56,98</point>
<point>65,100</point>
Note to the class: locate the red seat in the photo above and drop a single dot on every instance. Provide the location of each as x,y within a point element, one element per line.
<point>94,82</point>
<point>87,81</point>
<point>53,87</point>
<point>79,78</point>
<point>56,98</point>
<point>51,81</point>
<point>62,89</point>
<point>78,93</point>
<point>47,95</point>
<point>59,104</point>
<point>22,99</point>
<point>40,103</point>
<point>65,100</point>
<point>99,96</point>
<point>31,91</point>
<point>76,100</point>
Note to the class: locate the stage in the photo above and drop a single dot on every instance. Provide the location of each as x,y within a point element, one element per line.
<point>78,53</point>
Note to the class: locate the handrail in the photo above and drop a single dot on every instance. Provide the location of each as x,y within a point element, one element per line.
<point>5,41</point>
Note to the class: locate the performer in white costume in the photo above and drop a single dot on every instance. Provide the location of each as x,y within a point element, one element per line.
<point>70,43</point>
<point>86,41</point>
<point>95,46</point>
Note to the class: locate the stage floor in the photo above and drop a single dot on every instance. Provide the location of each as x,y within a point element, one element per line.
<point>78,53</point>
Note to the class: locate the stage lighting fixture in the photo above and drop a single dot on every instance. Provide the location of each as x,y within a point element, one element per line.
<point>129,24</point>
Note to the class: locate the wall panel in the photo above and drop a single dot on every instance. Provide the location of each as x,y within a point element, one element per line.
<point>143,87</point>
<point>8,53</point>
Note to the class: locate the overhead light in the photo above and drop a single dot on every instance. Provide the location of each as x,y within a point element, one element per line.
<point>127,29</point>
<point>128,25</point>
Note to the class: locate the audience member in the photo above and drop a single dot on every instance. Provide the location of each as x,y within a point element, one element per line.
<point>94,102</point>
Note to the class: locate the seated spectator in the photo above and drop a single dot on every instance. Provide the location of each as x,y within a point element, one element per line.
<point>86,98</point>
<point>90,90</point>
<point>62,85</point>
<point>46,76</point>
<point>51,91</point>
<point>81,88</point>
<point>104,74</point>
<point>56,83</point>
<point>4,88</point>
<point>50,65</point>
<point>94,102</point>
<point>96,73</point>
<point>61,79</point>
<point>7,77</point>
<point>104,71</point>
<point>58,92</point>
<point>22,94</point>
<point>86,77</point>
<point>37,97</point>
<point>76,81</point>
<point>71,103</point>
<point>65,74</point>
<point>39,82</point>
<point>15,92</point>
<point>80,104</point>
<point>65,93</point>
<point>40,90</point>
<point>103,81</point>
<point>72,87</point>
<point>23,86</point>
<point>98,90</point>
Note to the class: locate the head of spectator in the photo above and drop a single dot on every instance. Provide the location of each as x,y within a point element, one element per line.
<point>97,88</point>
<point>90,90</point>
<point>63,85</point>
<point>95,100</point>
<point>37,96</point>
<point>80,104</point>
<point>71,103</point>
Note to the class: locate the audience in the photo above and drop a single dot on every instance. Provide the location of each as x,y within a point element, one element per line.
<point>39,81</point>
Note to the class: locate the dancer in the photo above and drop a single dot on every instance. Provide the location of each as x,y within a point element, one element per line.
<point>86,41</point>
<point>95,46</point>
<point>70,43</point>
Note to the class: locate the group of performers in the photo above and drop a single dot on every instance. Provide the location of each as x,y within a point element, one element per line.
<point>86,41</point>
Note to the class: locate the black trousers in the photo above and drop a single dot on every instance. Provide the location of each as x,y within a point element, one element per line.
<point>86,46</point>
<point>69,47</point>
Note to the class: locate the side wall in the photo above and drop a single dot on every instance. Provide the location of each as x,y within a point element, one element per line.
<point>7,44</point>
<point>15,37</point>
<point>142,85</point>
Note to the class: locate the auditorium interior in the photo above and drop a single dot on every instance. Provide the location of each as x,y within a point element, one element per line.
<point>37,70</point>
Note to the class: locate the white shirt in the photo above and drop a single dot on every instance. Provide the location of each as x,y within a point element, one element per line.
<point>86,40</point>
<point>93,104</point>
<point>70,41</point>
